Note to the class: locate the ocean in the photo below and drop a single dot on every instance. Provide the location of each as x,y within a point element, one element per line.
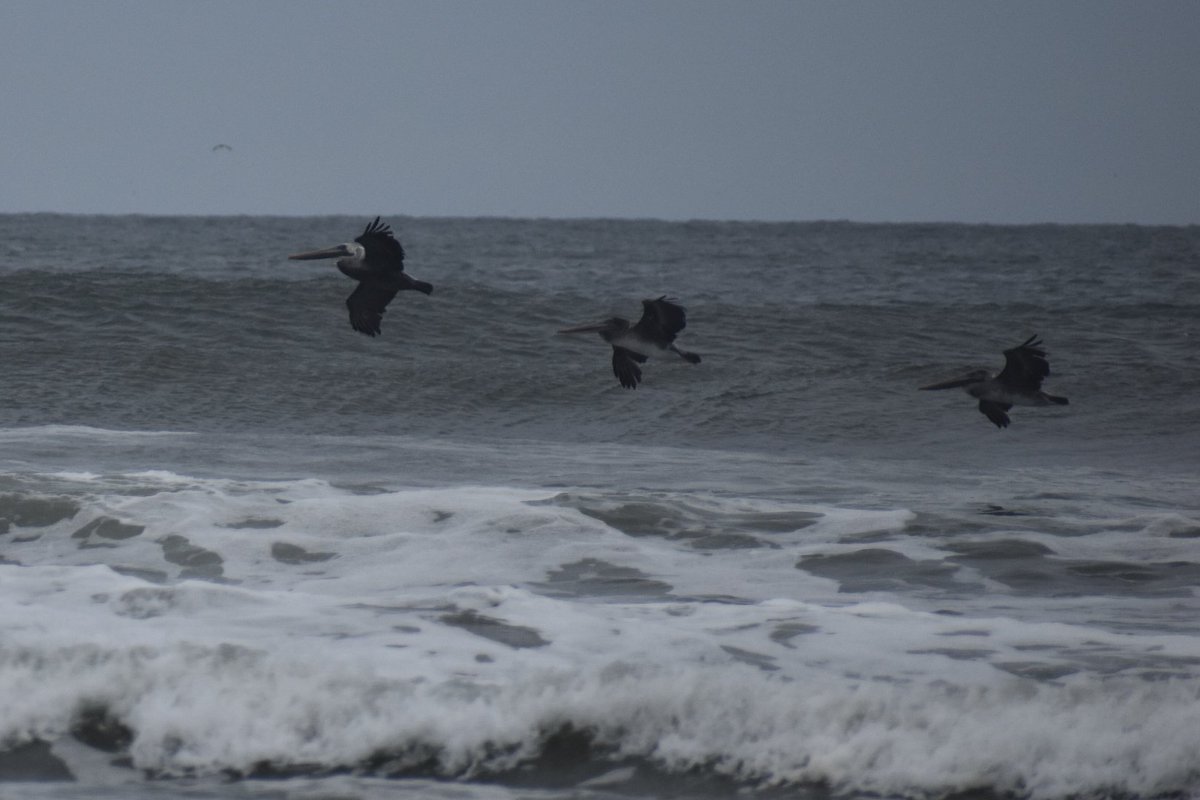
<point>246,552</point>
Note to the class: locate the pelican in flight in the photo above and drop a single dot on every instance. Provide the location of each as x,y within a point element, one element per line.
<point>633,343</point>
<point>376,261</point>
<point>1018,384</point>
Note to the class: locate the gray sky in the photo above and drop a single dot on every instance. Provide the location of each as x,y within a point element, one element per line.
<point>1072,111</point>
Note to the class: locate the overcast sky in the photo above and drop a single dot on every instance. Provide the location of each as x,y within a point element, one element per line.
<point>1042,111</point>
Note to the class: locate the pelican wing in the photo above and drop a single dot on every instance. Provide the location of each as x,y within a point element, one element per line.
<point>625,366</point>
<point>995,412</point>
<point>367,304</point>
<point>1025,366</point>
<point>384,252</point>
<point>661,320</point>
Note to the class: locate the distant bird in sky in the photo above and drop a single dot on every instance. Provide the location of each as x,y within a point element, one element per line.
<point>376,260</point>
<point>217,147</point>
<point>655,331</point>
<point>1018,384</point>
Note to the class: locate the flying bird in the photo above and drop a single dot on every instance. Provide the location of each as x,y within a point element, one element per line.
<point>1018,384</point>
<point>376,260</point>
<point>217,147</point>
<point>661,321</point>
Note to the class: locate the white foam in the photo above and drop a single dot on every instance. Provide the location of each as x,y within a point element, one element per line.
<point>414,623</point>
<point>851,707</point>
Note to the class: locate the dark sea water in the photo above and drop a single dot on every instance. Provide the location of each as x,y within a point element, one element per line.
<point>247,552</point>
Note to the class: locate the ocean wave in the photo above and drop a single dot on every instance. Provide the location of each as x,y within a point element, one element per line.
<point>204,710</point>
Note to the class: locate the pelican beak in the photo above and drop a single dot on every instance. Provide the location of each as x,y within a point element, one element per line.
<point>954,384</point>
<point>584,328</point>
<point>328,252</point>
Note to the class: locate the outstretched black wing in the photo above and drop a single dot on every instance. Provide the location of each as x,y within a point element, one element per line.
<point>661,320</point>
<point>625,366</point>
<point>995,412</point>
<point>1025,366</point>
<point>384,252</point>
<point>367,304</point>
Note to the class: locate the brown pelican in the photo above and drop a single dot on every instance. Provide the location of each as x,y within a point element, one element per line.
<point>661,321</point>
<point>1018,384</point>
<point>376,261</point>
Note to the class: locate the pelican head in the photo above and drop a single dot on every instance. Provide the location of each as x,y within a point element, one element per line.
<point>348,251</point>
<point>610,328</point>
<point>972,377</point>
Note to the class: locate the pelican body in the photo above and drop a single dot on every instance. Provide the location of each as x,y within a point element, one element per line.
<point>1018,384</point>
<point>376,260</point>
<point>633,344</point>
